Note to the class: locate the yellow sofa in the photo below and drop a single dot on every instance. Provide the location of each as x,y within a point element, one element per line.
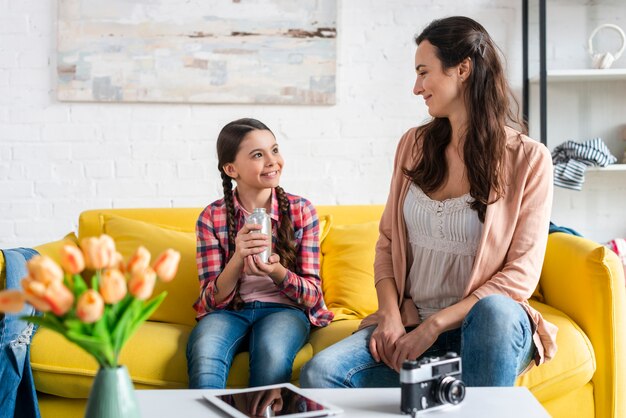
<point>581,291</point>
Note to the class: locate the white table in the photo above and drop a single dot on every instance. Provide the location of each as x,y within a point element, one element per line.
<point>491,402</point>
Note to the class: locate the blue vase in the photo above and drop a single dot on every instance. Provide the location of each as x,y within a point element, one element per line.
<point>112,395</point>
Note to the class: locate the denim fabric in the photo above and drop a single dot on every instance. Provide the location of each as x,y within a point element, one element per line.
<point>272,333</point>
<point>495,342</point>
<point>17,390</point>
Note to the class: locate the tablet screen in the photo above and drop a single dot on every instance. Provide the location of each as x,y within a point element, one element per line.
<point>270,402</point>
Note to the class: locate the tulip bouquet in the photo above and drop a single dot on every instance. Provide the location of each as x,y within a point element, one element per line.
<point>102,316</point>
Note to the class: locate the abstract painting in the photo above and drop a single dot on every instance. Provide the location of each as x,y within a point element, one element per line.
<point>197,51</point>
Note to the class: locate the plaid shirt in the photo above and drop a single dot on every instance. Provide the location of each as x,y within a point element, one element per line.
<point>302,286</point>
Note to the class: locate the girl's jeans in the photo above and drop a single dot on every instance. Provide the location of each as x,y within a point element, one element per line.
<point>495,342</point>
<point>274,334</point>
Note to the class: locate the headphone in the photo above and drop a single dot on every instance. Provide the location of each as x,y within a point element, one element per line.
<point>604,60</point>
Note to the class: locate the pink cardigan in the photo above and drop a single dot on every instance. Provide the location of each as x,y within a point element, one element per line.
<point>513,242</point>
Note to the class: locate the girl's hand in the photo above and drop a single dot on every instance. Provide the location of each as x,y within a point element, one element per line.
<point>384,337</point>
<point>249,241</point>
<point>414,344</point>
<point>254,265</point>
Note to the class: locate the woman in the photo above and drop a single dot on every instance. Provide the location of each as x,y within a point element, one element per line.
<point>463,233</point>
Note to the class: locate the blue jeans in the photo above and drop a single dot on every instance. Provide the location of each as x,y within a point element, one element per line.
<point>274,333</point>
<point>17,388</point>
<point>495,342</point>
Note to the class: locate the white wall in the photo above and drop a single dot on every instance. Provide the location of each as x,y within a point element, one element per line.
<point>58,159</point>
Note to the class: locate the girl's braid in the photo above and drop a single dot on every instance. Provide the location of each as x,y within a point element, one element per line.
<point>237,302</point>
<point>285,245</point>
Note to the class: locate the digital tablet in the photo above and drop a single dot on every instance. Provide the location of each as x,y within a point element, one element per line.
<point>282,400</point>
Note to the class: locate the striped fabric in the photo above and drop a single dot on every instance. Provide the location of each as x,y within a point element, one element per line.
<point>571,159</point>
<point>302,286</point>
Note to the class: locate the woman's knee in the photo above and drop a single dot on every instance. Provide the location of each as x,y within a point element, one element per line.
<point>495,311</point>
<point>336,365</point>
<point>316,373</point>
<point>494,320</point>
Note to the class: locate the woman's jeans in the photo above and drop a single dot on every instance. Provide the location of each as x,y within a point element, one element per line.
<point>495,342</point>
<point>274,334</point>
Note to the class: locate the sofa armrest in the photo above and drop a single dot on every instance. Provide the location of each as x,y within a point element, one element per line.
<point>585,280</point>
<point>50,249</point>
<point>53,249</point>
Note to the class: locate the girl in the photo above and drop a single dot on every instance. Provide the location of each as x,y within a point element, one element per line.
<point>463,233</point>
<point>245,303</point>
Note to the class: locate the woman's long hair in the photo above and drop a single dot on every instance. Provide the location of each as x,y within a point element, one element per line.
<point>228,142</point>
<point>487,98</point>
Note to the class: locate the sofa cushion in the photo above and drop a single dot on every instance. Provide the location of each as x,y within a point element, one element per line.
<point>348,270</point>
<point>61,368</point>
<point>571,368</point>
<point>322,338</point>
<point>53,249</point>
<point>184,289</point>
<point>325,222</point>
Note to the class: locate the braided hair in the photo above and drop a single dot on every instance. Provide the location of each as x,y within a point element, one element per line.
<point>228,142</point>
<point>285,244</point>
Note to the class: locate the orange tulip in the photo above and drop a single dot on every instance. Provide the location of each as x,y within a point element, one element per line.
<point>59,297</point>
<point>37,303</point>
<point>142,283</point>
<point>166,265</point>
<point>112,286</point>
<point>11,301</point>
<point>90,306</point>
<point>34,292</point>
<point>117,262</point>
<point>44,270</point>
<point>109,246</point>
<point>139,261</point>
<point>98,252</point>
<point>72,259</point>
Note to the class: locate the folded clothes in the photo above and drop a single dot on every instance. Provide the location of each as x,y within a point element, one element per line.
<point>556,228</point>
<point>572,158</point>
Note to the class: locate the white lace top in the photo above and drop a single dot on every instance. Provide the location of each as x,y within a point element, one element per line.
<point>443,238</point>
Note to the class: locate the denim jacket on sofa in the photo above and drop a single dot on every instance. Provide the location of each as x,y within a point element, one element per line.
<point>17,388</point>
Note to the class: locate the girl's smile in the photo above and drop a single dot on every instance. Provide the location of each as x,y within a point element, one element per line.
<point>258,164</point>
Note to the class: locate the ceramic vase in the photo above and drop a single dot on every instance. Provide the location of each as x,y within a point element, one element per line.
<point>112,395</point>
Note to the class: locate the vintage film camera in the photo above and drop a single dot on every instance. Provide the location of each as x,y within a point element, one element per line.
<point>431,383</point>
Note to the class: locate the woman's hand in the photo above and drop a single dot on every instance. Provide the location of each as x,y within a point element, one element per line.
<point>385,337</point>
<point>254,265</point>
<point>415,343</point>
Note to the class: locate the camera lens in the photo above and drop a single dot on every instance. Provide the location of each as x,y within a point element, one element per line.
<point>450,390</point>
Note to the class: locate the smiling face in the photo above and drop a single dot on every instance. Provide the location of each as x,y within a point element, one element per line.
<point>258,163</point>
<point>441,89</point>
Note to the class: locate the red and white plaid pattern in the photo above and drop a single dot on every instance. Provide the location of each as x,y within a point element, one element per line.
<point>302,286</point>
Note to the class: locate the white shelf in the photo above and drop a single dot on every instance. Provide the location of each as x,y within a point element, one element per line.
<point>612,167</point>
<point>584,75</point>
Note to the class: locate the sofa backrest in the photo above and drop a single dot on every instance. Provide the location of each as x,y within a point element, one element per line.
<point>160,228</point>
<point>90,221</point>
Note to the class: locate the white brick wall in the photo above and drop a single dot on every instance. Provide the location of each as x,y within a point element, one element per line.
<point>58,159</point>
